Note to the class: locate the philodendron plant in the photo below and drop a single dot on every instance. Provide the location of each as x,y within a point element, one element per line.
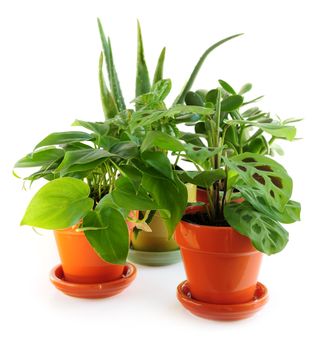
<point>246,188</point>
<point>97,178</point>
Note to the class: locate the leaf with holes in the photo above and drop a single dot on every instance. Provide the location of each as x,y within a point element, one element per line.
<point>265,175</point>
<point>267,235</point>
<point>200,155</point>
<point>290,214</point>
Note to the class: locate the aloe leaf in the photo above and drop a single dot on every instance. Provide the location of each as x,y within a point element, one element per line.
<point>143,85</point>
<point>108,103</point>
<point>113,79</point>
<point>195,71</point>
<point>158,74</point>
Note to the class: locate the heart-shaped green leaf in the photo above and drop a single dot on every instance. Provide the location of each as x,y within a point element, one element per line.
<point>110,239</point>
<point>59,204</point>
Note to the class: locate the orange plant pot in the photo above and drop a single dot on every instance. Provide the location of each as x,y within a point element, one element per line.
<point>80,262</point>
<point>221,265</point>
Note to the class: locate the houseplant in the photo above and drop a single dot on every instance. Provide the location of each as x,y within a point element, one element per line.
<point>93,190</point>
<point>248,195</point>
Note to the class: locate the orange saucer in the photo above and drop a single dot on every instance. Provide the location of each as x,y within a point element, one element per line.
<point>92,290</point>
<point>222,312</point>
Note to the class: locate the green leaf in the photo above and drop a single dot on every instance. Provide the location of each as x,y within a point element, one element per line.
<point>158,74</point>
<point>59,204</point>
<point>42,157</point>
<point>65,137</point>
<point>212,96</point>
<point>194,139</point>
<point>108,103</point>
<point>193,99</point>
<point>231,103</point>
<point>161,140</point>
<point>107,201</point>
<point>113,79</point>
<point>132,174</point>
<point>97,127</point>
<point>195,71</point>
<point>265,175</point>
<point>142,75</point>
<point>199,154</point>
<point>110,239</point>
<point>253,100</point>
<point>161,89</point>
<point>290,214</point>
<point>125,149</point>
<point>276,129</point>
<point>267,235</point>
<point>171,196</point>
<point>202,178</point>
<point>245,88</point>
<point>158,161</point>
<point>128,197</point>
<point>83,159</point>
<point>227,87</point>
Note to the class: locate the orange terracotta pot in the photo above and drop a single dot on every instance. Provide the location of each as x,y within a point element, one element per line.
<point>221,265</point>
<point>80,262</point>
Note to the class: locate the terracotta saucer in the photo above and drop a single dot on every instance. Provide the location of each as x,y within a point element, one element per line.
<point>92,290</point>
<point>222,312</point>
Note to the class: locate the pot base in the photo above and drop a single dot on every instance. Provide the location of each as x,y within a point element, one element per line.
<point>222,312</point>
<point>154,258</point>
<point>92,290</point>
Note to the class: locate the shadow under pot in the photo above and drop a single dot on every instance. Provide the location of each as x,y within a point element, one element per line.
<point>221,265</point>
<point>82,273</point>
<point>154,248</point>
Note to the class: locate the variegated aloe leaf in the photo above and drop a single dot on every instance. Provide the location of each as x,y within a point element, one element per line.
<point>158,74</point>
<point>108,103</point>
<point>265,175</point>
<point>112,75</point>
<point>267,235</point>
<point>143,85</point>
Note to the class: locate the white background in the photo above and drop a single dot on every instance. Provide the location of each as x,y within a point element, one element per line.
<point>48,77</point>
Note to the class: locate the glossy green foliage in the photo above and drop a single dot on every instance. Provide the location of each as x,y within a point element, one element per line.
<point>59,204</point>
<point>110,237</point>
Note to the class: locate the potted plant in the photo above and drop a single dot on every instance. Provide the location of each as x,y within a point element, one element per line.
<point>97,180</point>
<point>248,197</point>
